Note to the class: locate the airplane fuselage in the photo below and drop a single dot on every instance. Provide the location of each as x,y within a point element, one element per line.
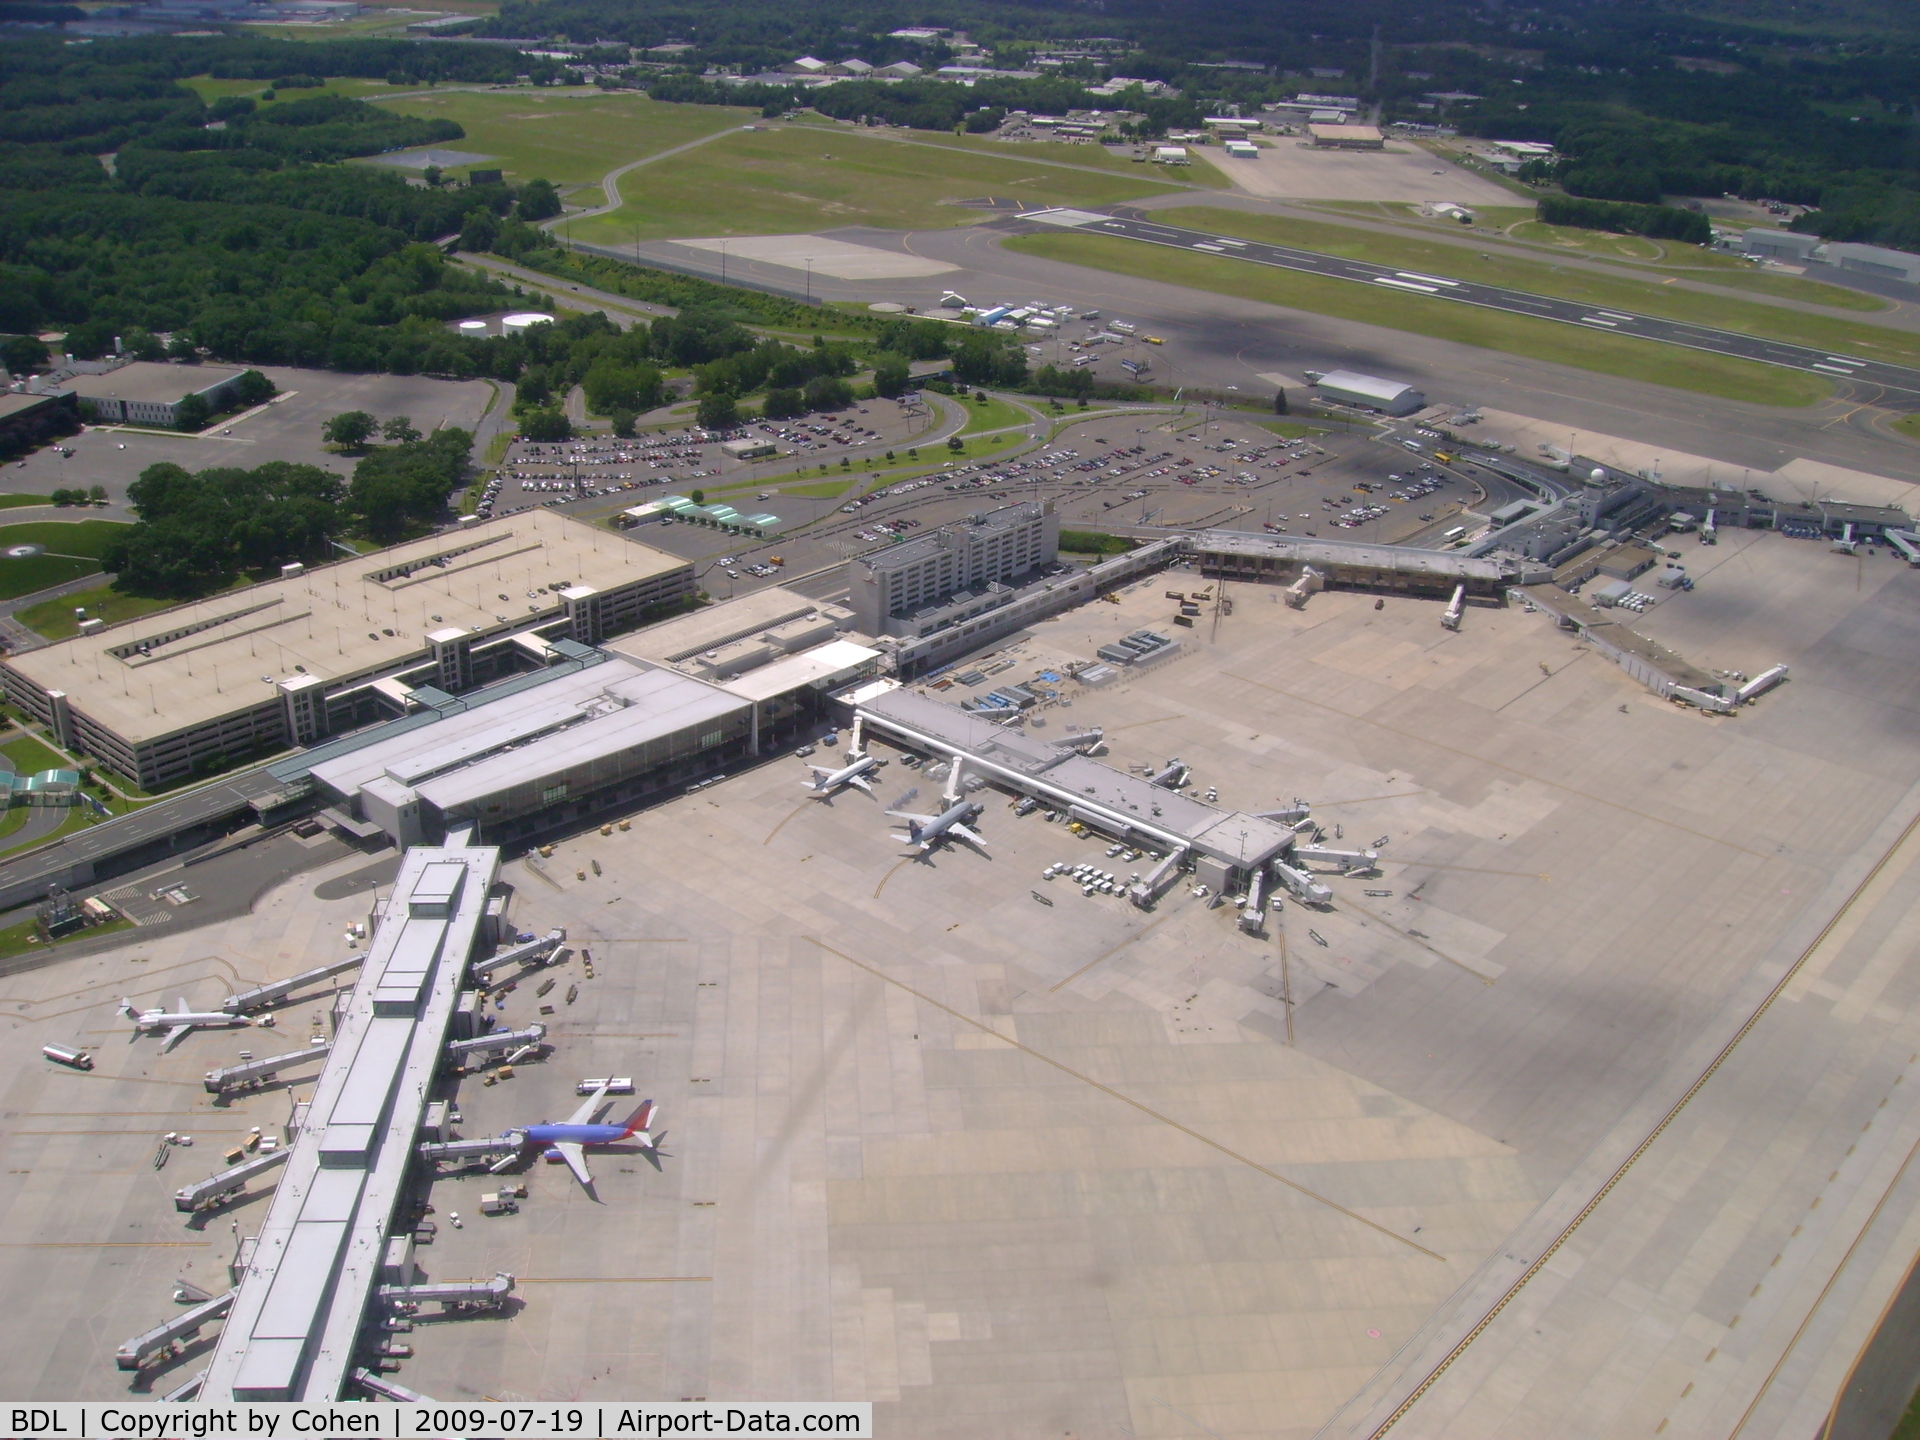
<point>578,1134</point>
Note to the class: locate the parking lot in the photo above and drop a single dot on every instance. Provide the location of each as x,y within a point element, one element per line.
<point>286,429</point>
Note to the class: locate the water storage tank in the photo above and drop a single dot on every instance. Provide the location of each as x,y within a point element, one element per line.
<point>473,329</point>
<point>524,321</point>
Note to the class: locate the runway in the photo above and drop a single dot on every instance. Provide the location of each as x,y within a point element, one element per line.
<point>1896,378</point>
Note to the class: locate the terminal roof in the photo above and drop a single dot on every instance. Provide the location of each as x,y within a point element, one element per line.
<point>359,616</point>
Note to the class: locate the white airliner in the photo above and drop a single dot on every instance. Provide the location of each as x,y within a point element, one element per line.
<point>827,782</point>
<point>926,831</point>
<point>178,1022</point>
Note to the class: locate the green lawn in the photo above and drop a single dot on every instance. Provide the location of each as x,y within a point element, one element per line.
<point>85,538</point>
<point>28,756</point>
<point>73,550</point>
<point>1647,297</point>
<point>1909,426</point>
<point>567,135</point>
<point>14,502</point>
<point>54,618</point>
<point>24,937</point>
<point>1523,335</point>
<point>1291,429</point>
<point>802,178</point>
<point>993,415</point>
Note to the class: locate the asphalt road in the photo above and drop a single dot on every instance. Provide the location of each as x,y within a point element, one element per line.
<point>1893,378</point>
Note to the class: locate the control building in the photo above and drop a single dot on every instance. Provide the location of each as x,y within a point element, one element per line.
<point>316,653</point>
<point>942,578</point>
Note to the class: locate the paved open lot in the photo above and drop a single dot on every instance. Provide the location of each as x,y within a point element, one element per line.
<point>288,429</point>
<point>1012,1167</point>
<point>1291,169</point>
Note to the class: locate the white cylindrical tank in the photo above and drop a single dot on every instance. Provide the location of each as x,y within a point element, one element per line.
<point>473,329</point>
<point>524,321</point>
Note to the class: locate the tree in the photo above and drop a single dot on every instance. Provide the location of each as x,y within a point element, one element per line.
<point>97,494</point>
<point>699,497</point>
<point>1279,402</point>
<point>828,392</point>
<point>623,423</point>
<point>538,201</point>
<point>784,404</point>
<point>399,429</point>
<point>182,347</point>
<point>253,388</point>
<point>23,355</point>
<point>890,377</point>
<point>545,426</point>
<point>192,413</point>
<point>717,411</point>
<point>955,443</point>
<point>348,430</point>
<point>402,487</point>
<point>433,175</point>
<point>478,231</point>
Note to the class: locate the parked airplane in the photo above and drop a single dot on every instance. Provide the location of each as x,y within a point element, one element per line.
<point>178,1022</point>
<point>566,1142</point>
<point>827,782</point>
<point>928,830</point>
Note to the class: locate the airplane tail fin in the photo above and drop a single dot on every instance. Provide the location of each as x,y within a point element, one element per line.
<point>126,1007</point>
<point>640,1119</point>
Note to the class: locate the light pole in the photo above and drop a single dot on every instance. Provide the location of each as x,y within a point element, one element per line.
<point>809,279</point>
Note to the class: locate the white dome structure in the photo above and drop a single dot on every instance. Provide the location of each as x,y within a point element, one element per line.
<point>524,321</point>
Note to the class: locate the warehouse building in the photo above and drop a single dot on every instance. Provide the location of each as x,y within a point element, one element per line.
<point>1347,137</point>
<point>1370,392</point>
<point>1771,244</point>
<point>943,578</point>
<point>317,653</point>
<point>148,393</point>
<point>1875,260</point>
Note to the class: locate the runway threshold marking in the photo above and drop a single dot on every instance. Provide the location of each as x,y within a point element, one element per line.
<point>1646,1144</point>
<point>1495,764</point>
<point>1146,1110</point>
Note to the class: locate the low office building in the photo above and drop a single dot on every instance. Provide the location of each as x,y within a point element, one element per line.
<point>148,393</point>
<point>320,652</point>
<point>29,420</point>
<point>937,580</point>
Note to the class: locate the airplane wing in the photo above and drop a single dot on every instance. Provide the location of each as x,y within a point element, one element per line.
<point>918,819</point>
<point>584,1115</point>
<point>970,836</point>
<point>575,1155</point>
<point>861,781</point>
<point>174,1037</point>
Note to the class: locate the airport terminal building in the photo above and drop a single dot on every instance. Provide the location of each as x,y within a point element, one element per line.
<point>320,652</point>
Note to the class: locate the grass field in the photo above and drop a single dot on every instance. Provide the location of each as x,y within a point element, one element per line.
<point>54,618</point>
<point>801,178</point>
<point>1909,426</point>
<point>1096,157</point>
<point>1444,320</point>
<point>568,135</point>
<point>73,550</point>
<point>210,89</point>
<point>1721,312</point>
<point>993,415</point>
<point>15,502</point>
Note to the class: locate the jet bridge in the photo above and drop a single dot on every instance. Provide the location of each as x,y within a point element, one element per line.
<point>249,1072</point>
<point>215,1188</point>
<point>489,1294</point>
<point>547,950</point>
<point>498,1040</point>
<point>141,1348</point>
<point>261,996</point>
